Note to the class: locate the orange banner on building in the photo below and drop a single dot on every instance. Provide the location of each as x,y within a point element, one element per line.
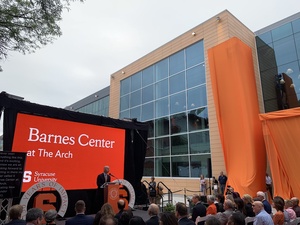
<point>70,153</point>
<point>281,131</point>
<point>236,102</point>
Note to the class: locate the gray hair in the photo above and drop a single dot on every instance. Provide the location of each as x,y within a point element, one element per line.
<point>34,214</point>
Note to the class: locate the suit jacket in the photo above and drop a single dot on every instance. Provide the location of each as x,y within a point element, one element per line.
<point>198,210</point>
<point>153,221</point>
<point>16,222</point>
<point>80,219</point>
<point>185,221</point>
<point>101,180</point>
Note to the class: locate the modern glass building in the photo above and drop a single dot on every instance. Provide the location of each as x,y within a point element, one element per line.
<point>96,103</point>
<point>171,89</point>
<point>278,48</point>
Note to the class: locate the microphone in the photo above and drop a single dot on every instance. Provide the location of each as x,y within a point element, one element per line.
<point>110,174</point>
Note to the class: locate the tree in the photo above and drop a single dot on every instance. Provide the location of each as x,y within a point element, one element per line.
<point>26,25</point>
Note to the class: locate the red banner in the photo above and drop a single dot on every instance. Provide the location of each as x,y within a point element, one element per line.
<point>70,153</point>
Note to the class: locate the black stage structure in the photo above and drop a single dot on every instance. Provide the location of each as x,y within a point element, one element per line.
<point>135,142</point>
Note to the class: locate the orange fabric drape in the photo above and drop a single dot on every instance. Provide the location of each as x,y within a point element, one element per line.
<point>236,102</point>
<point>281,133</point>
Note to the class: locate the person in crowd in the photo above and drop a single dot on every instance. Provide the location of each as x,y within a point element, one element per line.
<point>230,191</point>
<point>137,220</point>
<point>229,209</point>
<point>269,185</point>
<point>219,202</point>
<point>262,197</point>
<point>237,218</point>
<point>34,216</point>
<point>248,205</point>
<point>102,178</point>
<point>152,191</point>
<point>239,205</point>
<point>199,209</point>
<point>80,218</point>
<point>153,211</point>
<point>202,185</point>
<point>50,216</point>
<point>296,206</point>
<point>15,213</point>
<point>211,220</point>
<point>108,220</point>
<point>167,218</point>
<point>181,213</point>
<point>106,210</point>
<point>215,185</point>
<point>289,208</point>
<point>121,207</point>
<point>278,204</point>
<point>125,217</point>
<point>229,197</point>
<point>211,209</point>
<point>261,216</point>
<point>222,182</point>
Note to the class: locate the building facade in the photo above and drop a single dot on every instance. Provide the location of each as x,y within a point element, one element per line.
<point>171,89</point>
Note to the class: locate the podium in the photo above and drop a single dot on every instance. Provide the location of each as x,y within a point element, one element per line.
<point>111,194</point>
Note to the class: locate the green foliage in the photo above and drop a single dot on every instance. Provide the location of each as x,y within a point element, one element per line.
<point>26,25</point>
<point>169,207</point>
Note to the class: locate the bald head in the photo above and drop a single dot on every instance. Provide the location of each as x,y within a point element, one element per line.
<point>121,204</point>
<point>153,210</point>
<point>257,206</point>
<point>295,201</point>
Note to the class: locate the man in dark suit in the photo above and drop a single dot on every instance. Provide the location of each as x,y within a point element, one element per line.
<point>199,209</point>
<point>80,218</point>
<point>153,211</point>
<point>102,179</point>
<point>182,213</point>
<point>15,213</point>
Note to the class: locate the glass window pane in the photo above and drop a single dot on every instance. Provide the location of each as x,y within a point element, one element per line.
<point>124,102</point>
<point>162,126</point>
<point>161,69</point>
<point>285,50</point>
<point>198,119</point>
<point>151,129</point>
<point>199,165</point>
<point>147,94</point>
<point>180,166</point>
<point>161,107</point>
<point>135,98</point>
<point>162,167</point>
<point>136,81</point>
<point>297,41</point>
<point>162,88</point>
<point>178,123</point>
<point>197,97</point>
<point>195,76</point>
<point>178,102</point>
<point>176,62</point>
<point>282,31</point>
<point>125,86</point>
<point>179,144</point>
<point>149,167</point>
<point>135,113</point>
<point>199,142</point>
<point>147,111</point>
<point>296,26</point>
<point>194,54</point>
<point>266,38</point>
<point>124,114</point>
<point>177,83</point>
<point>150,148</point>
<point>162,146</point>
<point>148,76</point>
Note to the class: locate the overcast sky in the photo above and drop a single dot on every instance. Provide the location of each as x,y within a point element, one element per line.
<point>100,37</point>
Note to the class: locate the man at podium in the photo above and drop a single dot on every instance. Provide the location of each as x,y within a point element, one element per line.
<point>102,178</point>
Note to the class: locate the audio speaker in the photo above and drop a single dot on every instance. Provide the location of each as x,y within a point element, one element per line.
<point>209,171</point>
